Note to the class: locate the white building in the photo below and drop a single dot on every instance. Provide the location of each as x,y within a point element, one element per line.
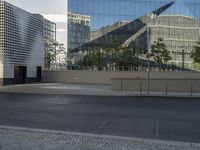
<point>21,45</point>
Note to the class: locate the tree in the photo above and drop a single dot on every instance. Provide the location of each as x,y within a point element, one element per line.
<point>166,56</point>
<point>159,52</point>
<point>127,58</point>
<point>195,54</point>
<point>49,57</point>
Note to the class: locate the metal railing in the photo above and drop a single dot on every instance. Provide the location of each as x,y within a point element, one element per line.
<point>164,88</point>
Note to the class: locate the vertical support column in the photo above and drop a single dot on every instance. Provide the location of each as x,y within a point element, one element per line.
<point>191,86</point>
<point>166,89</point>
<point>121,85</point>
<point>183,60</point>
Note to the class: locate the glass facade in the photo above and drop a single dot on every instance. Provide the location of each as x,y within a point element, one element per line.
<point>78,30</point>
<point>138,24</point>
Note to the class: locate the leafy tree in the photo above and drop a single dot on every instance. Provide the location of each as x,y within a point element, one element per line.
<point>111,55</point>
<point>51,52</point>
<point>195,54</point>
<point>127,58</point>
<point>166,56</point>
<point>91,59</point>
<point>159,52</point>
<point>49,57</point>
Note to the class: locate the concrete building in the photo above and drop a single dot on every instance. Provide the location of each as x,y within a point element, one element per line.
<point>180,36</point>
<point>21,45</point>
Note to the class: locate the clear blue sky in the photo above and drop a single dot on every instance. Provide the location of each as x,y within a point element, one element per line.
<point>42,6</point>
<point>54,10</point>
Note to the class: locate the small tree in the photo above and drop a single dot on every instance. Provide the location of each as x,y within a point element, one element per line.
<point>195,54</point>
<point>91,59</point>
<point>49,57</point>
<point>166,56</point>
<point>159,52</point>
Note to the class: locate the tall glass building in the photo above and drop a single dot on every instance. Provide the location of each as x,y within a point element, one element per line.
<point>141,22</point>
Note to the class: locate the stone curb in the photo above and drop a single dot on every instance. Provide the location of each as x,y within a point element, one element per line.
<point>89,92</point>
<point>108,138</point>
<point>103,94</point>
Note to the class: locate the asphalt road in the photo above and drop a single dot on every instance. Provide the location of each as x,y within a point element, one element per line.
<point>147,117</point>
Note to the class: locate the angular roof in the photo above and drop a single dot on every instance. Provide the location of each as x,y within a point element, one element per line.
<point>178,8</point>
<point>123,33</point>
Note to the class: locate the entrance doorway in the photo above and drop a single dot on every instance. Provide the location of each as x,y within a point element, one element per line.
<point>39,73</point>
<point>20,74</point>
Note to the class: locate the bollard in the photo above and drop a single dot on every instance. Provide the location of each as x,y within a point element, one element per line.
<point>191,89</point>
<point>166,90</point>
<point>140,88</point>
<point>121,85</point>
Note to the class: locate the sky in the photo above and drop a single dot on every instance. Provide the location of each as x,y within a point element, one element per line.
<point>53,10</point>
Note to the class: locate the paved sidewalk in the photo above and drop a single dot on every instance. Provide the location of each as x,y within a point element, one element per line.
<point>14,138</point>
<point>81,89</point>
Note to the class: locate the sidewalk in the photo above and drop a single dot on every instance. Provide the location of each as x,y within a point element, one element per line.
<point>82,89</point>
<point>14,138</point>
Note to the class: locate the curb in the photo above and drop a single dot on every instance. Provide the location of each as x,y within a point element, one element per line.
<point>89,92</point>
<point>103,94</point>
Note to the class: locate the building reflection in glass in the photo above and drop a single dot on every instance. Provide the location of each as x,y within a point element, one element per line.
<point>136,24</point>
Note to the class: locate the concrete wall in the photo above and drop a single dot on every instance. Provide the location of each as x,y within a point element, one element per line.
<point>131,80</point>
<point>92,77</point>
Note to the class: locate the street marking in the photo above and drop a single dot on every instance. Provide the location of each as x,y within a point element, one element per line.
<point>103,125</point>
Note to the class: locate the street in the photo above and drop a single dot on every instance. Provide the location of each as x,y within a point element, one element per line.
<point>165,118</point>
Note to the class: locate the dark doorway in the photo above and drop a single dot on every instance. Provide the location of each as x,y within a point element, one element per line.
<point>39,73</point>
<point>20,73</point>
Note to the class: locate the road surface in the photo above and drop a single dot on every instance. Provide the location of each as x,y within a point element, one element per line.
<point>176,119</point>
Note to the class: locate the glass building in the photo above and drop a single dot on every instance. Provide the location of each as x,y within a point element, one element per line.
<point>138,24</point>
<point>78,33</point>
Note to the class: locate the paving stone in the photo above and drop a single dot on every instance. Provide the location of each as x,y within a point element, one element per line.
<point>4,141</point>
<point>33,148</point>
<point>69,141</point>
<point>70,147</point>
<point>59,148</point>
<point>47,146</point>
<point>30,146</point>
<point>11,147</point>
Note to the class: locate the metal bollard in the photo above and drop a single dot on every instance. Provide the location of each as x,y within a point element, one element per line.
<point>166,89</point>
<point>140,88</point>
<point>191,89</point>
<point>121,85</point>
